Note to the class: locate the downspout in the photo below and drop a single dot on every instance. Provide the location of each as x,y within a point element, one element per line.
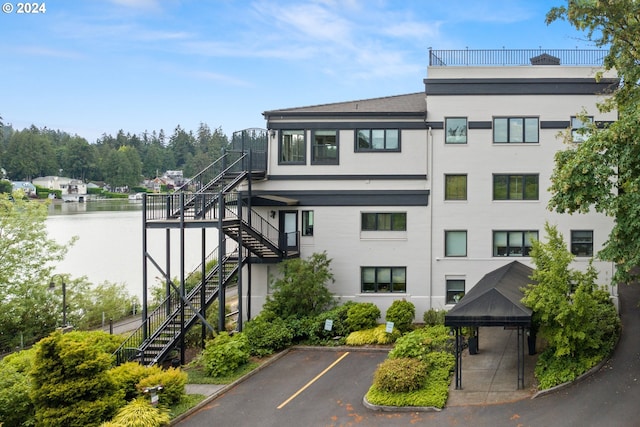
<point>429,163</point>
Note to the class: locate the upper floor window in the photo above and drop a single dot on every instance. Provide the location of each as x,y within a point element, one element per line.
<point>455,187</point>
<point>377,140</point>
<point>455,243</point>
<point>307,223</point>
<point>515,187</point>
<point>579,128</point>
<point>513,243</point>
<point>455,130</point>
<point>582,242</point>
<point>383,279</point>
<point>515,130</point>
<point>325,147</point>
<point>292,147</point>
<point>384,221</point>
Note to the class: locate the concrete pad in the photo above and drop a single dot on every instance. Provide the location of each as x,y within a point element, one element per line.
<point>491,376</point>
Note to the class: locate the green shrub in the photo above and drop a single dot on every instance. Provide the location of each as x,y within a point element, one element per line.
<point>552,370</point>
<point>433,317</point>
<point>140,413</point>
<point>267,336</point>
<point>399,375</point>
<point>172,380</point>
<point>362,315</point>
<point>128,375</point>
<point>338,315</point>
<point>420,342</point>
<point>72,385</point>
<point>435,390</point>
<point>401,313</point>
<point>16,406</point>
<point>377,335</point>
<point>225,354</point>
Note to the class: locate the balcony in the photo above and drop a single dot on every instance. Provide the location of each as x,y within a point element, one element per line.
<point>516,57</point>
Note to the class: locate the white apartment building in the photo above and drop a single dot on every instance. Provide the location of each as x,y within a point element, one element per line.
<point>418,196</point>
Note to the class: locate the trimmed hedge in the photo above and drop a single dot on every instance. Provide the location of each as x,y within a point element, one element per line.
<point>401,313</point>
<point>377,335</point>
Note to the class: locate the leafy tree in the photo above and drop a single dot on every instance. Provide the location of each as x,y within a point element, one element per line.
<point>603,172</point>
<point>16,406</point>
<point>573,314</point>
<point>5,186</point>
<point>72,385</point>
<point>27,257</point>
<point>30,154</point>
<point>301,291</point>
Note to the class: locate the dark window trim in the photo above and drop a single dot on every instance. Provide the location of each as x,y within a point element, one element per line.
<point>358,149</point>
<point>376,226</point>
<point>466,243</point>
<point>315,161</point>
<point>574,249</point>
<point>524,129</point>
<point>280,142</point>
<point>525,250</point>
<point>377,284</point>
<point>447,292</point>
<point>466,130</point>
<point>466,187</point>
<point>524,185</point>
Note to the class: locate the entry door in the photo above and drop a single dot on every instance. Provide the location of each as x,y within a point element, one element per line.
<point>289,229</point>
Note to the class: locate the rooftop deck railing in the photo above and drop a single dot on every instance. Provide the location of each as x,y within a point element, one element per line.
<point>514,57</point>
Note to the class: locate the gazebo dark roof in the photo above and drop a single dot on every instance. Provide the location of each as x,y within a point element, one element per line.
<point>495,300</point>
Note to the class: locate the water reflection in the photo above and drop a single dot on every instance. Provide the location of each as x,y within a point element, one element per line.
<point>104,205</point>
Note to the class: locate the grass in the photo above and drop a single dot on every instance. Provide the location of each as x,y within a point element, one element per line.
<point>197,375</point>
<point>186,403</point>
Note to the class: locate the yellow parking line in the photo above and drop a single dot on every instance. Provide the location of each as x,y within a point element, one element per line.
<point>312,381</point>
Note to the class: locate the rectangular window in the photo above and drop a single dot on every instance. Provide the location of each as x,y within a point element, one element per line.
<point>325,147</point>
<point>515,187</point>
<point>307,223</point>
<point>455,187</point>
<point>292,147</point>
<point>384,221</point>
<point>455,290</point>
<point>455,243</point>
<point>456,130</point>
<point>579,128</point>
<point>513,243</point>
<point>383,279</point>
<point>377,140</point>
<point>582,242</point>
<point>515,130</point>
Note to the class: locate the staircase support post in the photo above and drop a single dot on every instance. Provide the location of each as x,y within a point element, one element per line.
<point>222,251</point>
<point>183,293</point>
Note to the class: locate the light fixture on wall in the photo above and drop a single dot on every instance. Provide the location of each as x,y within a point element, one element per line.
<point>273,133</point>
<point>272,214</point>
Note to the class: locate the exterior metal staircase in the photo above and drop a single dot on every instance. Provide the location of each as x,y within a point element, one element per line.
<point>210,199</point>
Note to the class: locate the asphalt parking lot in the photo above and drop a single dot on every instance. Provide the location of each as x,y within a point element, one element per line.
<point>303,388</point>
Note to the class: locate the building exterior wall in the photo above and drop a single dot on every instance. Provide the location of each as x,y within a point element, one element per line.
<point>412,180</point>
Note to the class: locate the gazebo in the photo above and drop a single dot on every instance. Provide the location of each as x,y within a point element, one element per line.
<point>494,301</point>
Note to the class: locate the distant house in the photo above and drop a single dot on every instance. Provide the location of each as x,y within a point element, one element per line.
<point>72,190</point>
<point>28,188</point>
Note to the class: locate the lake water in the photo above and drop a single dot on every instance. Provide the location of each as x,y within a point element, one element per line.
<point>109,245</point>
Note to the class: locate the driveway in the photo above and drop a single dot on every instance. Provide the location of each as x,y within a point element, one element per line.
<point>325,388</point>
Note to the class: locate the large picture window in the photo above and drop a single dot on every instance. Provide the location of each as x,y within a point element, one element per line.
<point>515,130</point>
<point>383,279</point>
<point>292,147</point>
<point>515,187</point>
<point>384,221</point>
<point>455,290</point>
<point>325,147</point>
<point>455,187</point>
<point>582,242</point>
<point>455,243</point>
<point>456,130</point>
<point>513,243</point>
<point>377,140</point>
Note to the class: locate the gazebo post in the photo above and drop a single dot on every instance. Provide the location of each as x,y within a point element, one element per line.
<point>458,359</point>
<point>521,334</point>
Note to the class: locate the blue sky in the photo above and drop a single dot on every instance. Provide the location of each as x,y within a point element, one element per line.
<point>96,66</point>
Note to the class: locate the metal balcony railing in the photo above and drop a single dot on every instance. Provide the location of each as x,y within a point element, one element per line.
<point>515,57</point>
